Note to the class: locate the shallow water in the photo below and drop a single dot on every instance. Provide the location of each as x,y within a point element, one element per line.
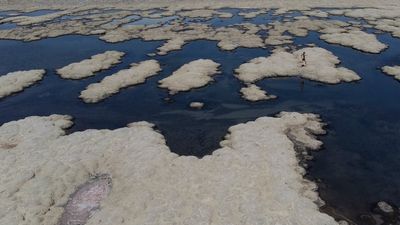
<point>8,13</point>
<point>40,12</point>
<point>7,26</point>
<point>357,167</point>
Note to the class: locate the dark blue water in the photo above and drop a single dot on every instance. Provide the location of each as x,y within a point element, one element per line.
<point>357,167</point>
<point>7,26</point>
<point>8,13</point>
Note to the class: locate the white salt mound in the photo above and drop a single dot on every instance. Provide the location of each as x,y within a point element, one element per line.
<point>393,71</point>
<point>253,179</point>
<point>137,74</point>
<point>88,67</point>
<point>320,65</point>
<point>196,105</point>
<point>194,74</point>
<point>254,93</point>
<point>385,207</point>
<point>16,81</point>
<point>356,39</point>
<point>170,45</point>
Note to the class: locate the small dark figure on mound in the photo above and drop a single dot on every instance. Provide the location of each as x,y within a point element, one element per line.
<point>303,59</point>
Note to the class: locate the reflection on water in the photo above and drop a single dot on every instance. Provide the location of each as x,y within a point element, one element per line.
<point>358,167</point>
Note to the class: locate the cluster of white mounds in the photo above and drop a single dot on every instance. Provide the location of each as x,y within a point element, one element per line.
<point>82,21</point>
<point>16,81</point>
<point>319,65</point>
<point>88,67</point>
<point>388,25</point>
<point>194,74</point>
<point>179,33</point>
<point>254,178</point>
<point>300,27</point>
<point>357,39</point>
<point>137,74</point>
<point>369,13</point>
<point>29,20</point>
<point>254,93</point>
<point>204,13</point>
<point>392,70</point>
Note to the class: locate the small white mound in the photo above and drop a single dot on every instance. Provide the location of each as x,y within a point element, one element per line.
<point>255,178</point>
<point>196,105</point>
<point>320,65</point>
<point>195,74</point>
<point>88,67</point>
<point>357,39</point>
<point>170,45</point>
<point>254,93</point>
<point>393,71</point>
<point>16,81</point>
<point>138,73</point>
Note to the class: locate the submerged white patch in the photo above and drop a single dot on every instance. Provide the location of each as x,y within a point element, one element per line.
<point>194,74</point>
<point>319,65</point>
<point>254,93</point>
<point>356,39</point>
<point>16,81</point>
<point>138,73</point>
<point>253,179</point>
<point>88,67</point>
<point>393,71</point>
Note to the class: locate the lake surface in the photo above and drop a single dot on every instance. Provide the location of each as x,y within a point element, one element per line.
<point>357,167</point>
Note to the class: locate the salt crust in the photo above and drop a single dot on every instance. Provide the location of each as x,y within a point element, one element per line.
<point>196,105</point>
<point>393,71</point>
<point>113,27</point>
<point>254,178</point>
<point>320,66</point>
<point>88,67</point>
<point>249,15</point>
<point>17,81</point>
<point>194,74</point>
<point>254,93</point>
<point>138,73</point>
<point>356,39</point>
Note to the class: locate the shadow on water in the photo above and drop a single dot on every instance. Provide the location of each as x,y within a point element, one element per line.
<point>357,168</point>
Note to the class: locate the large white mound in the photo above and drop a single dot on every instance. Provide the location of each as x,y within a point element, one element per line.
<point>88,67</point>
<point>393,71</point>
<point>137,74</point>
<point>16,81</point>
<point>194,74</point>
<point>253,179</point>
<point>356,39</point>
<point>319,65</point>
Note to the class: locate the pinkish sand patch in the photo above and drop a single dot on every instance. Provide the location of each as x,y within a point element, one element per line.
<point>86,200</point>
